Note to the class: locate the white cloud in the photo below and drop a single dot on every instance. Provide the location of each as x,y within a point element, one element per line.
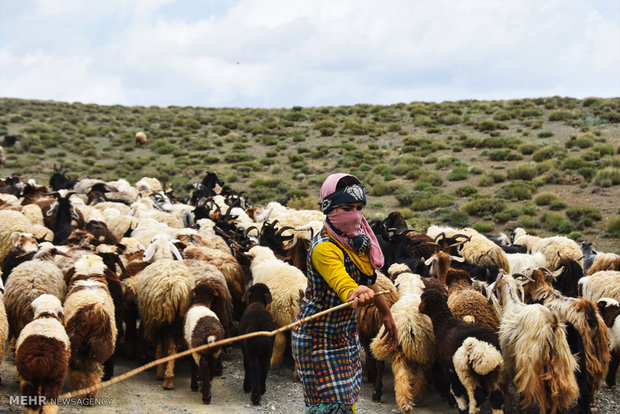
<point>284,53</point>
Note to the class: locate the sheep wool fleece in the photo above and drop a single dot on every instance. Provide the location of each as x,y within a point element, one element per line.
<point>327,350</point>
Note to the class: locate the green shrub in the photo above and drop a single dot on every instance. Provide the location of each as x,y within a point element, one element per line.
<point>517,190</point>
<point>529,209</point>
<point>523,172</point>
<point>613,227</point>
<point>561,115</point>
<point>529,222</point>
<point>483,227</point>
<point>423,201</point>
<point>607,177</point>
<point>458,174</point>
<point>459,219</point>
<point>483,206</point>
<point>579,213</point>
<point>544,199</point>
<point>545,153</point>
<point>545,134</point>
<point>381,189</point>
<point>528,149</point>
<point>466,191</point>
<point>556,205</point>
<point>326,127</point>
<point>557,222</point>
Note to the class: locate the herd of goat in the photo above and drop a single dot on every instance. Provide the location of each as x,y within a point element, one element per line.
<point>91,269</point>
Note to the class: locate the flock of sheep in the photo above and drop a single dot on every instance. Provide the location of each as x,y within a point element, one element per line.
<point>94,268</point>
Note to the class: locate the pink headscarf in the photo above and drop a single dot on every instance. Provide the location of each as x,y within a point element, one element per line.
<point>376,256</point>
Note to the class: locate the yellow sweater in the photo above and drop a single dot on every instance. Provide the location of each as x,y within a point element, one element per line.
<point>328,260</point>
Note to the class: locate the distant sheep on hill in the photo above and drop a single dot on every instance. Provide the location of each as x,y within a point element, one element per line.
<point>140,138</point>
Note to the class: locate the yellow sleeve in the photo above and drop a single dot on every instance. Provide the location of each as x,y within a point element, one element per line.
<point>328,260</point>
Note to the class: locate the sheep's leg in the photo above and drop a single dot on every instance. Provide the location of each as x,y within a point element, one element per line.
<point>31,391</point>
<point>497,401</point>
<point>108,368</point>
<point>159,352</point>
<point>255,379</point>
<point>194,374</point>
<point>279,347</point>
<point>205,375</point>
<point>610,379</point>
<point>418,385</point>
<point>246,370</point>
<point>402,385</point>
<point>264,369</point>
<point>51,390</point>
<point>169,374</point>
<point>378,386</point>
<point>459,392</point>
<point>371,368</point>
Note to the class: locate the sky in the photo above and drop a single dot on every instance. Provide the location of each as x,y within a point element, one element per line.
<point>279,54</point>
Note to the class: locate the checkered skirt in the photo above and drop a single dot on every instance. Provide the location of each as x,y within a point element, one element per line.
<point>326,349</point>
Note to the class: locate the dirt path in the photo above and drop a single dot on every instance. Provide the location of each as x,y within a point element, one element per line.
<point>143,394</point>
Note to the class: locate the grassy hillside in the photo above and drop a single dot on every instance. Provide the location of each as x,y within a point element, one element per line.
<point>550,164</point>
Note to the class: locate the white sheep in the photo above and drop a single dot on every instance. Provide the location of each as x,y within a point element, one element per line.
<point>412,360</point>
<point>518,262</point>
<point>28,281</point>
<point>605,261</point>
<point>478,250</point>
<point>287,285</point>
<point>554,247</point>
<point>11,222</point>
<point>520,236</point>
<point>603,284</point>
<point>163,299</point>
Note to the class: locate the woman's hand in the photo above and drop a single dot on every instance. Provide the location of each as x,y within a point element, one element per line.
<point>390,330</point>
<point>360,296</point>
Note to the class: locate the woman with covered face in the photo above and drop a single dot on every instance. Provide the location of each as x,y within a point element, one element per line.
<point>342,261</point>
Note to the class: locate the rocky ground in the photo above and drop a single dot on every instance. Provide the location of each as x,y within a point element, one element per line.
<point>144,394</point>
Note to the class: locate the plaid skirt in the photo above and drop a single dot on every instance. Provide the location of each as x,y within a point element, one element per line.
<point>330,368</point>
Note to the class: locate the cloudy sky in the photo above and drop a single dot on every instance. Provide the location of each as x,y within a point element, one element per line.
<point>271,53</point>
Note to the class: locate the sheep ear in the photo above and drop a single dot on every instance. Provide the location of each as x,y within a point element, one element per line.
<point>268,298</point>
<point>61,318</point>
<point>457,259</point>
<point>176,252</point>
<point>148,253</point>
<point>429,260</point>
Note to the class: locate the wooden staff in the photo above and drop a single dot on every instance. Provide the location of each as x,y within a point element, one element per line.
<point>226,341</point>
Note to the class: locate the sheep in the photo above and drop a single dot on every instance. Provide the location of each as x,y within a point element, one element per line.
<point>163,299</point>
<point>4,324</point>
<point>140,138</point>
<point>518,262</point>
<point>24,248</point>
<point>369,321</point>
<point>202,270</point>
<point>42,353</point>
<point>557,247</point>
<point>478,250</point>
<point>290,217</point>
<point>468,304</point>
<point>90,321</point>
<point>605,261</point>
<point>605,283</point>
<point>412,360</point>
<point>202,326</point>
<point>28,281</point>
<point>610,310</point>
<point>469,356</point>
<point>589,255</point>
<point>519,236</point>
<point>537,357</point>
<point>257,351</point>
<point>287,285</point>
<point>11,222</point>
<point>148,185</point>
<point>582,314</point>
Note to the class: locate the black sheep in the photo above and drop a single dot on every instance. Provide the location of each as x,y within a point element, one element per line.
<point>469,356</point>
<point>257,350</point>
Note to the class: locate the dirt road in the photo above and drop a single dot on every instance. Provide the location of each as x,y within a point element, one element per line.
<point>143,394</point>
